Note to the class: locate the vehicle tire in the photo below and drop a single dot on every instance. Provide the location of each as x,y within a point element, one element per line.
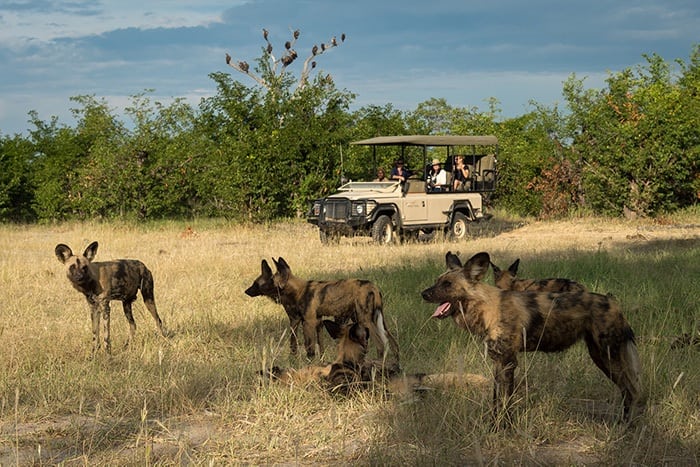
<point>383,231</point>
<point>459,229</point>
<point>328,238</point>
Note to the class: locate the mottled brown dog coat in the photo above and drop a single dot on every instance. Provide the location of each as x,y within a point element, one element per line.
<point>102,282</point>
<point>307,302</point>
<point>507,280</point>
<point>511,322</point>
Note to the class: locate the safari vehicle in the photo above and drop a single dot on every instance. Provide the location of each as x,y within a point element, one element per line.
<point>389,211</point>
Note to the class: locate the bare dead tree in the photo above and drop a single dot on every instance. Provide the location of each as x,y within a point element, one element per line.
<point>289,56</point>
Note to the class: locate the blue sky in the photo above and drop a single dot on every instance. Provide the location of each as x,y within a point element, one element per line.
<point>398,52</point>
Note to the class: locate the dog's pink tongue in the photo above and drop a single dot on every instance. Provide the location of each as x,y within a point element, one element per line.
<point>441,311</point>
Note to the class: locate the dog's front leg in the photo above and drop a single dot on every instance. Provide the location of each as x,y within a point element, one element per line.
<point>504,377</point>
<point>501,396</point>
<point>319,340</point>
<point>294,322</point>
<point>310,337</point>
<point>95,318</point>
<point>104,311</point>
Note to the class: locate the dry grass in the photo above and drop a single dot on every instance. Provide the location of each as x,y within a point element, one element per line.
<point>195,397</point>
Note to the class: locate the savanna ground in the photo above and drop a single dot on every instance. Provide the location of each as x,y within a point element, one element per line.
<point>195,397</point>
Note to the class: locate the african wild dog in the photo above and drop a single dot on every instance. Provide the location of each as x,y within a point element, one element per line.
<point>306,302</point>
<point>507,280</point>
<point>104,281</point>
<point>352,370</point>
<point>347,372</point>
<point>264,285</point>
<point>512,322</point>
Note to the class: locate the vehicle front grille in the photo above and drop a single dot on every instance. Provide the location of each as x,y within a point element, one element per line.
<point>337,210</point>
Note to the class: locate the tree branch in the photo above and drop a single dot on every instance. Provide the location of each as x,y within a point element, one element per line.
<point>289,56</point>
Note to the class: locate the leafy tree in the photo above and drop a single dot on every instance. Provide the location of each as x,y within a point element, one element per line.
<point>54,163</point>
<point>436,117</point>
<point>105,182</point>
<point>167,159</point>
<point>225,124</point>
<point>280,142</point>
<point>360,162</point>
<point>638,139</point>
<point>16,191</point>
<point>539,174</point>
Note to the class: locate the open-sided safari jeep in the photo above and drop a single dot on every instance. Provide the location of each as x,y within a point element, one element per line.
<point>391,210</point>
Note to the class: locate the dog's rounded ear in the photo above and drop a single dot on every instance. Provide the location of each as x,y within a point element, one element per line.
<point>265,269</point>
<point>282,265</point>
<point>513,268</point>
<point>452,261</point>
<point>63,252</point>
<point>283,272</point>
<point>91,251</point>
<point>477,266</point>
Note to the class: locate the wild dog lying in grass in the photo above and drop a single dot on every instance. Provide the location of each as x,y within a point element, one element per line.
<point>104,281</point>
<point>507,280</point>
<point>351,370</point>
<point>512,322</point>
<point>307,302</point>
<point>347,371</point>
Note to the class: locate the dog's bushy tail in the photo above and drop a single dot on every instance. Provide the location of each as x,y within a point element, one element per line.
<point>146,285</point>
<point>376,304</point>
<point>632,369</point>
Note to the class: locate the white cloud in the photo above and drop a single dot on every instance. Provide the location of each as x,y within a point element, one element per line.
<point>21,27</point>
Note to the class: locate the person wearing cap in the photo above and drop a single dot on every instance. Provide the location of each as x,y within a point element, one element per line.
<point>399,172</point>
<point>437,177</point>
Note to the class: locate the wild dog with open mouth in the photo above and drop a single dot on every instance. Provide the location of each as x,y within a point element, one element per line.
<point>512,322</point>
<point>351,370</point>
<point>507,280</point>
<point>307,302</point>
<point>104,281</point>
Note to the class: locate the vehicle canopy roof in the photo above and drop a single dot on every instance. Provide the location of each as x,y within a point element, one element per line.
<point>429,140</point>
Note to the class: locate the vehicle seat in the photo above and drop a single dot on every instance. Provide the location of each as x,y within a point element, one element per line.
<point>415,186</point>
<point>485,173</point>
<point>448,185</point>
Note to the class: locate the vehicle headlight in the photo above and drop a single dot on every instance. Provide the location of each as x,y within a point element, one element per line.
<point>316,209</point>
<point>359,209</point>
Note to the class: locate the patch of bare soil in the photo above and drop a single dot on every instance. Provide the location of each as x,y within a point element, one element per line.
<point>64,440</point>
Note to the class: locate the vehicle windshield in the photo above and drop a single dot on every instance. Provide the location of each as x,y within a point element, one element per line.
<point>364,186</point>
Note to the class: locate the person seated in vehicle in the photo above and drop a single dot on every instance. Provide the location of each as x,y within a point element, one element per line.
<point>381,176</point>
<point>399,172</point>
<point>461,175</point>
<point>437,177</point>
